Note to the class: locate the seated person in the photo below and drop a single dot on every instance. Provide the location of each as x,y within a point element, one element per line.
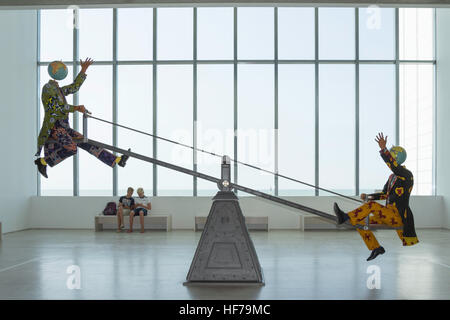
<point>142,204</point>
<point>396,212</point>
<point>126,204</point>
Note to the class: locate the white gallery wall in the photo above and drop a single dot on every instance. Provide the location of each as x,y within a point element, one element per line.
<point>79,212</point>
<point>443,110</point>
<point>18,40</point>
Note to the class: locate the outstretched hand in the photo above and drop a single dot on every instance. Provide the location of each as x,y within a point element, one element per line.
<point>85,64</point>
<point>381,140</point>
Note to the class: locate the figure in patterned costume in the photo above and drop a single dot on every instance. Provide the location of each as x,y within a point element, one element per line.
<point>58,139</point>
<point>396,212</point>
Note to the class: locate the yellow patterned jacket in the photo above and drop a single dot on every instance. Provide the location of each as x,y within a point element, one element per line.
<point>55,106</point>
<point>397,191</point>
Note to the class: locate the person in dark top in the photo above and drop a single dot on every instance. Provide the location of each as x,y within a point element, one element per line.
<point>126,204</point>
<point>396,212</point>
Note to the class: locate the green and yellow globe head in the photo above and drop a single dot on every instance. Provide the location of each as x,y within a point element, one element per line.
<point>398,153</point>
<point>57,70</point>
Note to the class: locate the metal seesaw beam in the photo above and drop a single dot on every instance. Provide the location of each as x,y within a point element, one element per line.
<point>233,185</point>
<point>214,179</point>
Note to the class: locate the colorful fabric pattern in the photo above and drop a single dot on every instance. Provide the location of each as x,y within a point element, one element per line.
<point>378,214</point>
<point>55,106</point>
<point>397,191</point>
<point>65,142</point>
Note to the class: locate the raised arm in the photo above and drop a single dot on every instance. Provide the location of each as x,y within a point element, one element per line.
<point>397,169</point>
<point>75,86</point>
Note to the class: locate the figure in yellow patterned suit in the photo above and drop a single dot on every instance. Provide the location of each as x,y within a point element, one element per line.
<point>396,212</point>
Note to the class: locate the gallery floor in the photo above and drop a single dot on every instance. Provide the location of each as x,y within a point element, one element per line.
<point>153,265</point>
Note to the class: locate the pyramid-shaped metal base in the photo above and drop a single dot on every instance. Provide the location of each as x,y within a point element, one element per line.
<point>225,253</point>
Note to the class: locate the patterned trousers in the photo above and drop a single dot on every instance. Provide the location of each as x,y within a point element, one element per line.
<point>64,144</point>
<point>379,214</point>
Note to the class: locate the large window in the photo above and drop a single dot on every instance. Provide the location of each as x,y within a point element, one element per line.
<point>336,33</point>
<point>135,34</point>
<point>175,34</point>
<point>96,95</point>
<point>135,109</point>
<point>377,34</point>
<point>255,134</point>
<point>376,114</point>
<point>296,33</point>
<point>175,120</point>
<point>215,33</point>
<point>297,91</point>
<point>215,131</point>
<point>255,33</point>
<point>296,121</point>
<point>416,125</point>
<point>416,94</point>
<point>337,127</point>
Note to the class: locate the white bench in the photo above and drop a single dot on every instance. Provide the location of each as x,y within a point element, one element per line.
<point>151,221</point>
<point>313,222</point>
<point>252,223</point>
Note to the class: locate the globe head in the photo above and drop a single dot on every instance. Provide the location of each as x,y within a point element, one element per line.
<point>398,153</point>
<point>57,70</point>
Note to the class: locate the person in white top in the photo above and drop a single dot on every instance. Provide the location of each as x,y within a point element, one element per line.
<point>141,206</point>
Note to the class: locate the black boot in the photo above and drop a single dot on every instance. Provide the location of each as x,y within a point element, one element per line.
<point>41,168</point>
<point>341,215</point>
<point>123,159</point>
<point>375,253</point>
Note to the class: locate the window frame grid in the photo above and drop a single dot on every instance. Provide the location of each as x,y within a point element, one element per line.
<point>236,62</point>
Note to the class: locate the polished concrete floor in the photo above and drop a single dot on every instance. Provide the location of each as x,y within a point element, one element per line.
<point>296,265</point>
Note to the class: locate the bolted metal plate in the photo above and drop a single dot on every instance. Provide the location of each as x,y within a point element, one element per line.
<point>225,252</point>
